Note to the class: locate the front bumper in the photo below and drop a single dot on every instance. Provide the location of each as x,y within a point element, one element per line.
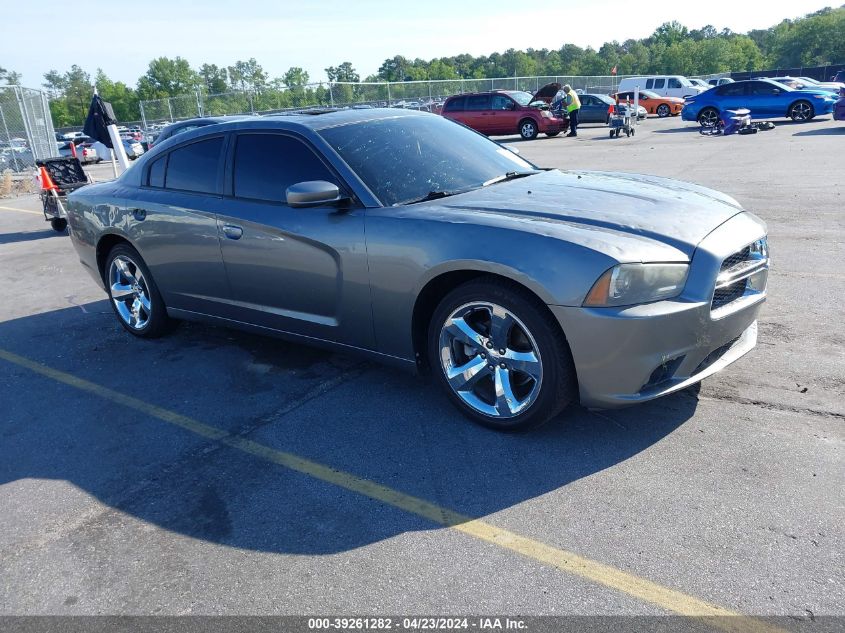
<point>637,353</point>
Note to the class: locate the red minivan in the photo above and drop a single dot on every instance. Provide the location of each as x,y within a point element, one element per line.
<point>503,112</point>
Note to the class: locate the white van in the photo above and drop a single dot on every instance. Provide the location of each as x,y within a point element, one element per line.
<point>664,85</point>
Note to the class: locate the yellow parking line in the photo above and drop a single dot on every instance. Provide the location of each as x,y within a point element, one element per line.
<point>22,210</point>
<point>640,588</point>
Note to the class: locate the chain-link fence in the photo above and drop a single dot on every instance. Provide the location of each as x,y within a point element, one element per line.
<point>422,95</point>
<point>26,129</point>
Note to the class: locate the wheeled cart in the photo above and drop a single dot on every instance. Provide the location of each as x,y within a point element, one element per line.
<point>622,120</point>
<point>59,177</point>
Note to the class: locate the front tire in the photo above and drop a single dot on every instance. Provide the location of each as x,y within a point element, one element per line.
<point>552,134</point>
<point>801,111</point>
<point>528,129</point>
<point>133,294</point>
<point>663,111</point>
<point>500,356</point>
<point>59,224</point>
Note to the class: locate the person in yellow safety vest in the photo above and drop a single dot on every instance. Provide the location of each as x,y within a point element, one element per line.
<point>573,104</point>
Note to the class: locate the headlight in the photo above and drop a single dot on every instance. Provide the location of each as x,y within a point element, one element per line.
<point>629,284</point>
<point>759,249</point>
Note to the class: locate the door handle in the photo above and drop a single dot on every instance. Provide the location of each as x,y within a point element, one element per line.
<point>139,214</point>
<point>232,232</point>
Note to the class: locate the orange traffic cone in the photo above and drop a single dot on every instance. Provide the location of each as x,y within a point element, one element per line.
<point>73,150</point>
<point>47,183</point>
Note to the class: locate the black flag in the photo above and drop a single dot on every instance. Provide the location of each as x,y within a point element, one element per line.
<point>100,115</point>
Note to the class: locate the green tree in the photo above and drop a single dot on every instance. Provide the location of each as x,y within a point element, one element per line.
<point>167,77</point>
<point>295,77</point>
<point>247,76</point>
<point>9,76</point>
<point>70,95</point>
<point>123,99</point>
<point>344,72</point>
<point>215,79</point>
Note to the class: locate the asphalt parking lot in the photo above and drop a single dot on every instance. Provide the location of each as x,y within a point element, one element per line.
<point>215,472</point>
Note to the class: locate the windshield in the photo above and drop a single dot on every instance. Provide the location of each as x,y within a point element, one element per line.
<point>521,97</point>
<point>685,82</point>
<point>406,158</point>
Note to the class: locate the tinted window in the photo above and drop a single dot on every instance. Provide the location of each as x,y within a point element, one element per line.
<point>501,102</point>
<point>731,90</point>
<point>649,84</point>
<point>156,173</point>
<point>187,128</point>
<point>587,100</point>
<point>658,83</point>
<point>407,158</point>
<point>674,83</point>
<point>194,167</point>
<point>762,88</point>
<point>455,105</point>
<point>267,164</point>
<point>478,102</point>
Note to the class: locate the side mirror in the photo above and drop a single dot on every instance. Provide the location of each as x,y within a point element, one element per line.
<point>312,193</point>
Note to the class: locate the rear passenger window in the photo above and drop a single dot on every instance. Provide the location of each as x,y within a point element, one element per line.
<point>155,177</point>
<point>731,90</point>
<point>658,83</point>
<point>649,84</point>
<point>455,105</point>
<point>194,167</point>
<point>267,164</point>
<point>478,102</point>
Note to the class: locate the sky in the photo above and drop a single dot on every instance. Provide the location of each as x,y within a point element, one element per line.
<point>122,37</point>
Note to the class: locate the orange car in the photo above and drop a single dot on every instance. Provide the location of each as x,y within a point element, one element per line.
<point>653,102</point>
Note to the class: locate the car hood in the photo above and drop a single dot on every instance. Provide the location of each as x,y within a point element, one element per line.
<point>648,209</point>
<point>546,93</point>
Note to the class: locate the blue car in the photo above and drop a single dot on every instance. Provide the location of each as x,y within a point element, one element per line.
<point>764,98</point>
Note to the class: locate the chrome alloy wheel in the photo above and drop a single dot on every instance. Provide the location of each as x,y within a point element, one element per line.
<point>801,111</point>
<point>708,118</point>
<point>490,359</point>
<point>129,292</point>
<point>528,129</point>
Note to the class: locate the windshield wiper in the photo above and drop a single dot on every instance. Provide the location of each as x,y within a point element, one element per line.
<point>511,175</point>
<point>432,195</point>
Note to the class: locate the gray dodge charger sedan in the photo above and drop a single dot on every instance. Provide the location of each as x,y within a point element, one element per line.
<point>418,242</point>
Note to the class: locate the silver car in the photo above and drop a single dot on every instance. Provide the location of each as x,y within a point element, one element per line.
<point>415,241</point>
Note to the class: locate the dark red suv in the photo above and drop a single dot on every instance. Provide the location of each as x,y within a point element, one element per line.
<point>504,112</point>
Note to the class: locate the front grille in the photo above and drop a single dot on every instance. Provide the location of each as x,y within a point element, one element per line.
<point>737,258</point>
<point>735,272</point>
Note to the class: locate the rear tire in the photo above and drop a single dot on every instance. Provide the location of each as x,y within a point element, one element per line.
<point>708,117</point>
<point>133,294</point>
<point>528,129</point>
<point>500,356</point>
<point>59,224</point>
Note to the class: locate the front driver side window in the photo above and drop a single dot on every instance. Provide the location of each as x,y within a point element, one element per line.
<point>267,164</point>
<point>500,102</point>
